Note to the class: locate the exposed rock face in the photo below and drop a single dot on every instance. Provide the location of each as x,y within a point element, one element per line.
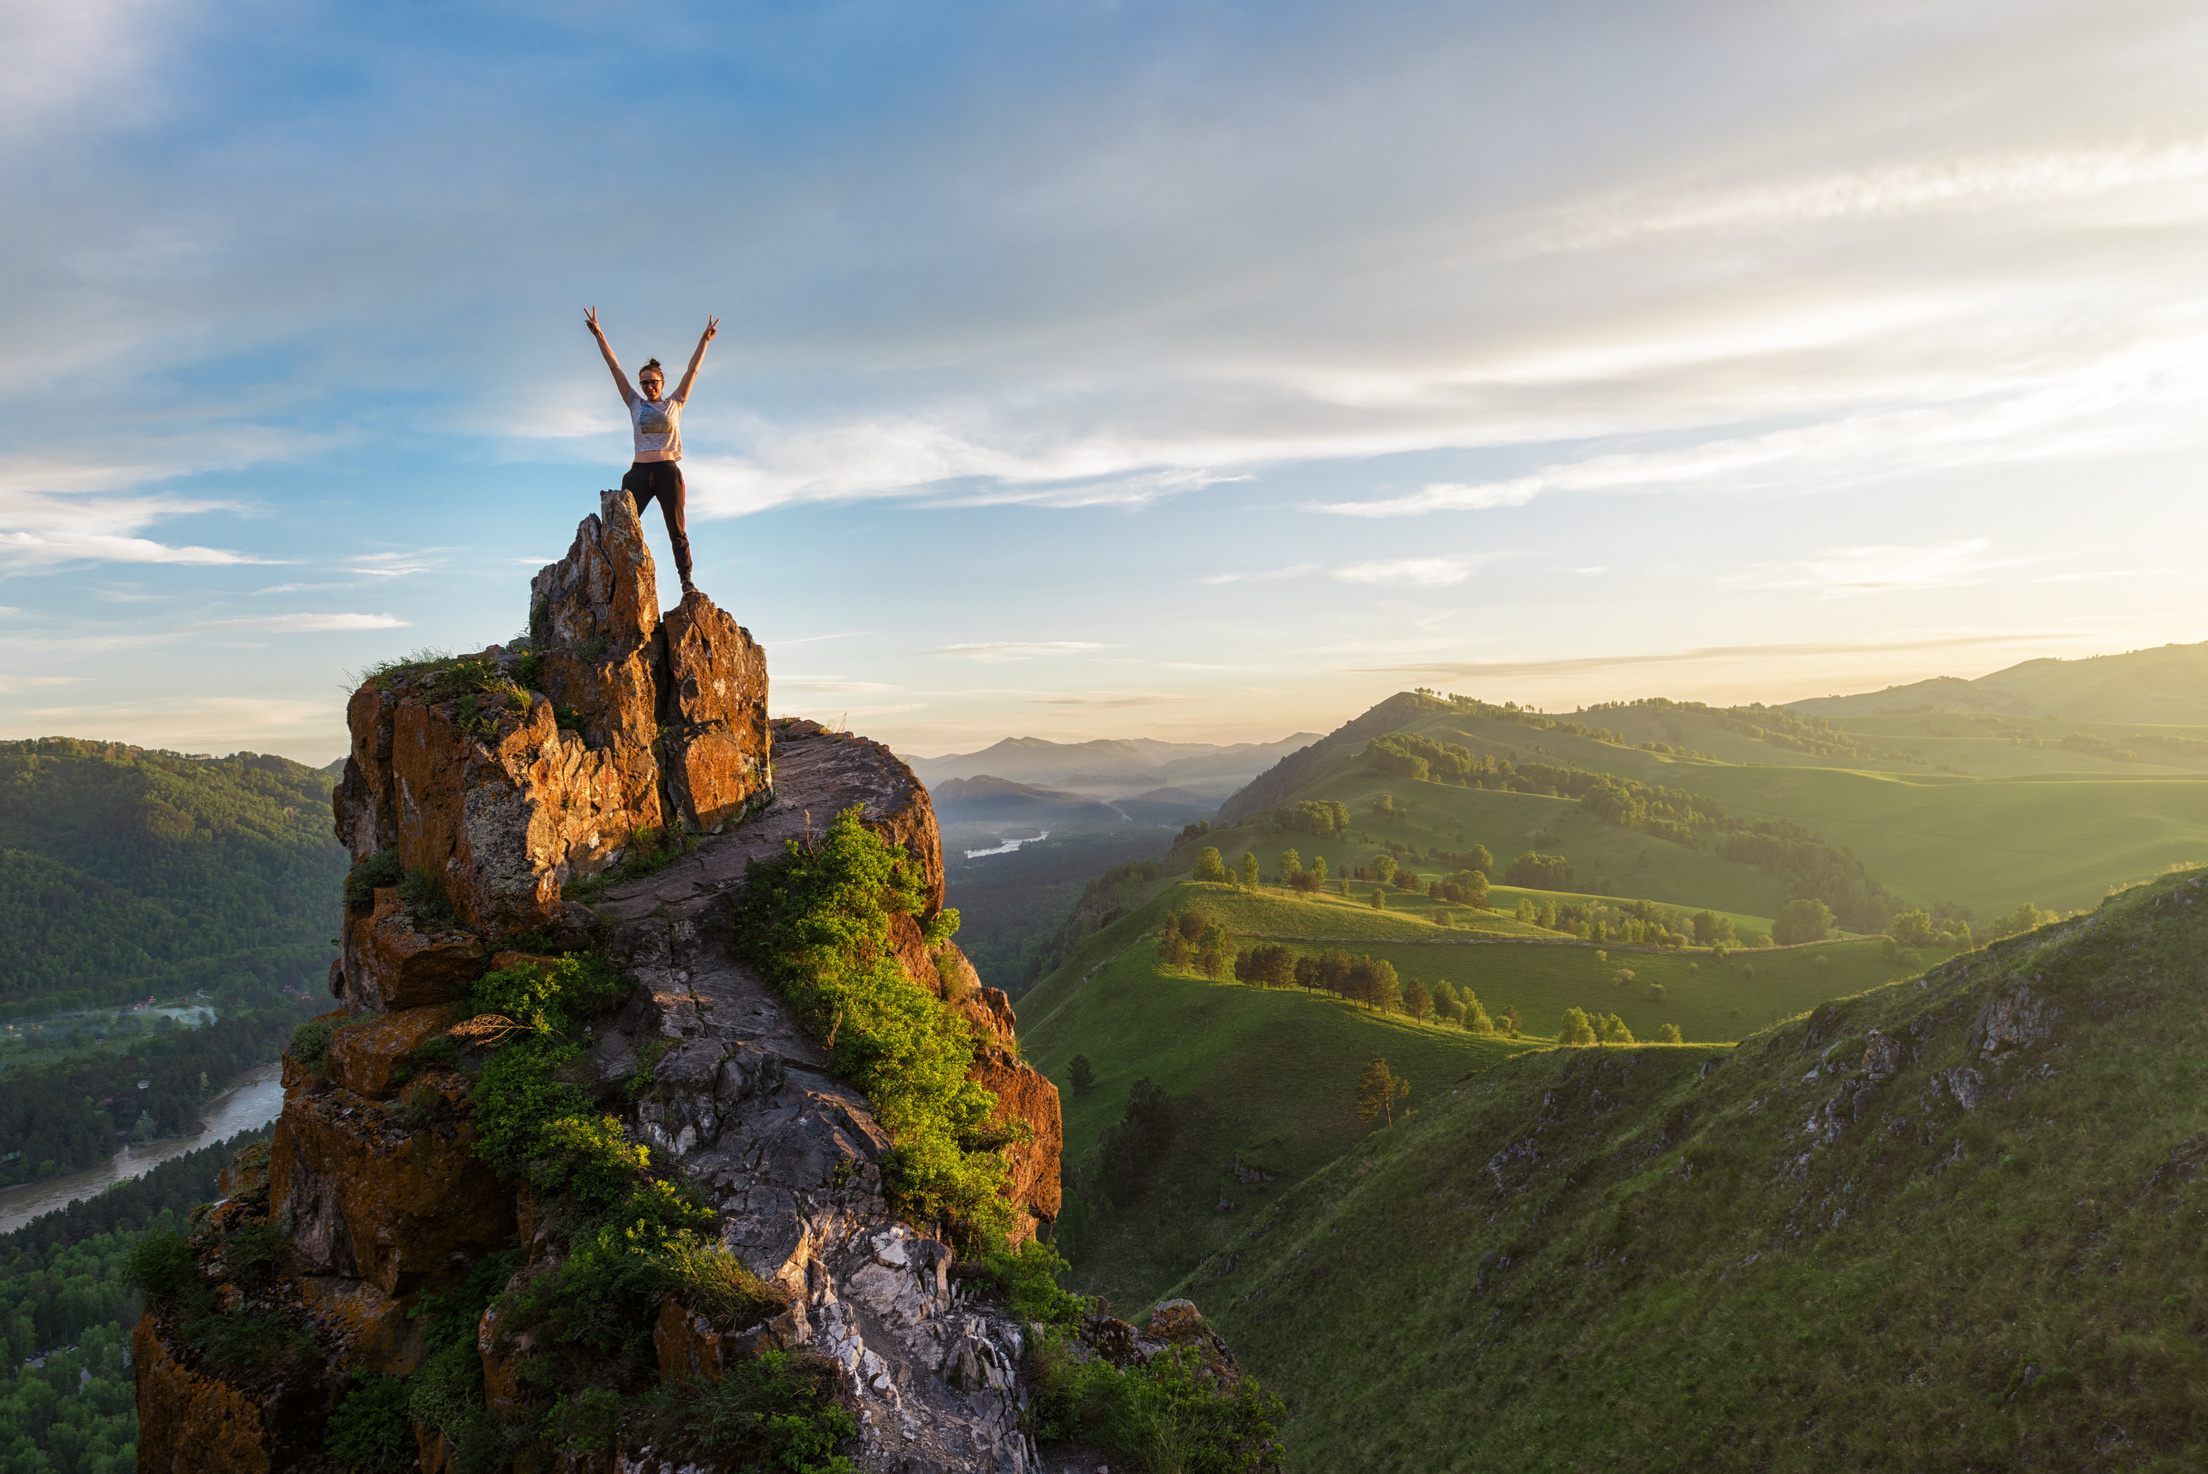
<point>373,1195</point>
<point>506,801</point>
<point>372,1165</point>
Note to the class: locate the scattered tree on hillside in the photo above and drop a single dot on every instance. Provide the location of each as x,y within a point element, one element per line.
<point>1128,1152</point>
<point>1611,1029</point>
<point>1268,965</point>
<point>1215,953</point>
<point>2026,917</point>
<point>1406,879</point>
<point>1417,1002</point>
<point>1465,888</point>
<point>1912,929</point>
<point>1380,867</point>
<point>1379,898</point>
<point>1379,1091</point>
<point>1208,864</point>
<point>1385,805</point>
<point>1323,818</point>
<point>1711,928</point>
<point>1510,1019</point>
<point>1084,1075</point>
<point>1318,868</point>
<point>1527,911</point>
<point>1446,1004</point>
<point>1669,1034</point>
<point>1289,866</point>
<point>1578,1028</point>
<point>1536,871</point>
<point>1249,868</point>
<point>1802,920</point>
<point>1655,992</point>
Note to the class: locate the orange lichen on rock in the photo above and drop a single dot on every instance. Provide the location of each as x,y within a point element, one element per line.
<point>365,1054</point>
<point>374,1195</point>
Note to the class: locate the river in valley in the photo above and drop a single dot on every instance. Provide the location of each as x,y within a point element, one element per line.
<point>253,1099</point>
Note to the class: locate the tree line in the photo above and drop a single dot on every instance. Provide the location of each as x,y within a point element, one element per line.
<point>1191,940</point>
<point>69,1115</point>
<point>1808,864</point>
<point>124,871</point>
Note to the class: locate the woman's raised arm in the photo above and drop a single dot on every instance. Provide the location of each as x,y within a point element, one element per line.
<point>690,374</point>
<point>620,379</point>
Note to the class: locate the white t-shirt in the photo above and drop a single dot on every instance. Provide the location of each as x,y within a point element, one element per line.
<point>658,427</point>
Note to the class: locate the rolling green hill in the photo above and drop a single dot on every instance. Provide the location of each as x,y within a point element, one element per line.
<point>1948,1224</point>
<point>1268,1073</point>
<point>2166,685</point>
<point>2057,836</point>
<point>125,872</point>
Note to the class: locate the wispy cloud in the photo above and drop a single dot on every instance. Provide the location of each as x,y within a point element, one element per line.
<point>1108,700</point>
<point>1726,654</point>
<point>1428,573</point>
<point>308,623</point>
<point>1836,572</point>
<point>1293,570</point>
<point>996,651</point>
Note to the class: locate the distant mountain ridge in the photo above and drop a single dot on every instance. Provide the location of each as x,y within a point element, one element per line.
<point>985,797</point>
<point>2166,685</point>
<point>1113,767</point>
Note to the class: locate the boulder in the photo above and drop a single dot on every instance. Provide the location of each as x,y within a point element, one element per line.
<point>192,1421</point>
<point>364,1054</point>
<point>373,1196</point>
<point>714,715</point>
<point>364,1328</point>
<point>1025,1095</point>
<point>387,964</point>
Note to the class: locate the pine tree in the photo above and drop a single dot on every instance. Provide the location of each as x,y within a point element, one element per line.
<point>1084,1075</point>
<point>1379,1091</point>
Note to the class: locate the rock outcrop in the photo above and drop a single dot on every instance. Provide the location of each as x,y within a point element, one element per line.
<point>513,773</point>
<point>507,777</point>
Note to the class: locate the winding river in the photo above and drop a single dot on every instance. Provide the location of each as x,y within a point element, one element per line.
<point>254,1098</point>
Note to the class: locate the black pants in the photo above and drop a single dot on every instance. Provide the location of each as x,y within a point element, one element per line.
<point>662,479</point>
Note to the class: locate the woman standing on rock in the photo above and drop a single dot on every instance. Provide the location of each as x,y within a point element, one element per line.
<point>657,424</point>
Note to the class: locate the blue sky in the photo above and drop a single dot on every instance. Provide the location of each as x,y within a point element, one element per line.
<point>1202,372</point>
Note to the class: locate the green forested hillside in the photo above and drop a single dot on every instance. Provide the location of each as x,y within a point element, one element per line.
<point>65,1301</point>
<point>1954,1223</point>
<point>1268,1072</point>
<point>2055,824</point>
<point>125,872</point>
<point>2168,684</point>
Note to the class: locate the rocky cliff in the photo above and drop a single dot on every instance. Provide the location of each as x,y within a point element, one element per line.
<point>625,757</point>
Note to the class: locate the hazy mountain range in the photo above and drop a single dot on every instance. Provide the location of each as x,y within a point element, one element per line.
<point>2166,686</point>
<point>1114,767</point>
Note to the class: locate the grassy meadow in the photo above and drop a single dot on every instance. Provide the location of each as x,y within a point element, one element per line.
<point>1269,1073</point>
<point>1798,1254</point>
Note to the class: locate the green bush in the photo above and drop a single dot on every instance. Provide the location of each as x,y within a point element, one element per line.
<point>424,901</point>
<point>256,1254</point>
<point>1161,1415</point>
<point>817,923</point>
<point>362,882</point>
<point>1027,1279</point>
<point>586,1423</point>
<point>446,1390</point>
<point>422,1106</point>
<point>310,1043</point>
<point>775,1411</point>
<point>370,1433</point>
<point>161,1264</point>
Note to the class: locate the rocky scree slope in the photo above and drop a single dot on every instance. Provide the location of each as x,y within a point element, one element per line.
<point>1951,1223</point>
<point>373,1213</point>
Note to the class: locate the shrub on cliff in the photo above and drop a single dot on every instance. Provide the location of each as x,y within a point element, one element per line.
<point>818,922</point>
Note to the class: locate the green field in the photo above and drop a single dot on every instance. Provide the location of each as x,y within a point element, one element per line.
<point>1269,1072</point>
<point>1623,1259</point>
<point>2049,825</point>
